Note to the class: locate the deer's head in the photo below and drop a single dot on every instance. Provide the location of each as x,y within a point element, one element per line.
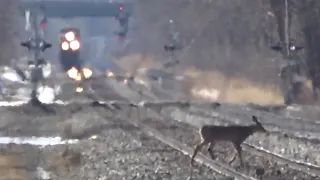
<point>258,126</point>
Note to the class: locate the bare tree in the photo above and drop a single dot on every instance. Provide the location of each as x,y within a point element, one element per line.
<point>8,15</point>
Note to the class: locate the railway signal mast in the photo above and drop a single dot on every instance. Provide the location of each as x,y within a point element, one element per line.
<point>173,45</point>
<point>290,73</point>
<point>37,45</point>
<point>123,19</point>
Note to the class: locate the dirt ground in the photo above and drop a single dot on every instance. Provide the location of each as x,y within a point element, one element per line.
<point>120,151</point>
<point>223,64</point>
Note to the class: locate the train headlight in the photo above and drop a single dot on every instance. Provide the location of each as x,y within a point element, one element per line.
<point>65,46</point>
<point>87,73</point>
<point>75,45</point>
<point>70,36</point>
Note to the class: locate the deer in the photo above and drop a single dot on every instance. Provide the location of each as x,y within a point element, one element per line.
<point>236,134</point>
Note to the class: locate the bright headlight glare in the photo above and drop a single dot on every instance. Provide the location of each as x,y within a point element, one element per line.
<point>75,45</point>
<point>65,46</point>
<point>70,36</point>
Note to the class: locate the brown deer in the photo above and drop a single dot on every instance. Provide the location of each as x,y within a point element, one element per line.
<point>236,134</point>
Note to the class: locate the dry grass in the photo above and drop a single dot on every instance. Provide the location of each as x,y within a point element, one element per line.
<point>12,168</point>
<point>306,97</point>
<point>213,85</point>
<point>11,161</point>
<point>132,62</point>
<point>13,174</point>
<point>232,90</point>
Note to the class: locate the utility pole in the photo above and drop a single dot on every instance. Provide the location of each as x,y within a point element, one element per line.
<point>36,37</point>
<point>289,96</point>
<point>286,29</point>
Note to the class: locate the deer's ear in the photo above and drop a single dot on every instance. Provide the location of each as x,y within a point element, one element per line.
<point>255,119</point>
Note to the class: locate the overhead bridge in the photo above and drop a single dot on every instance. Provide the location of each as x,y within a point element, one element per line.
<point>72,9</point>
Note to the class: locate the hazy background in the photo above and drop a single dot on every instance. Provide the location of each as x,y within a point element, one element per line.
<point>230,50</point>
<point>232,47</point>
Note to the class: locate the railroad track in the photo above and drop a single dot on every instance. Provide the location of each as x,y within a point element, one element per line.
<point>254,149</point>
<point>163,125</point>
<point>273,129</point>
<point>218,167</point>
<point>175,138</point>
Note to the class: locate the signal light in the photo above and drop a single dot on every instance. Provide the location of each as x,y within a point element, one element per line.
<point>70,36</point>
<point>75,45</point>
<point>65,46</point>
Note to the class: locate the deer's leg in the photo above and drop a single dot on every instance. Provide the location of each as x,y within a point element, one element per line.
<point>234,157</point>
<point>198,147</point>
<point>210,150</point>
<point>239,151</point>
